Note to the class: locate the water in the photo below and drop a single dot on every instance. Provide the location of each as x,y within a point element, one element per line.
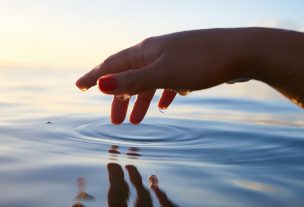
<point>123,97</point>
<point>58,147</point>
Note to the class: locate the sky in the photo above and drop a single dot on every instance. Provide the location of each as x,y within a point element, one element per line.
<point>75,34</point>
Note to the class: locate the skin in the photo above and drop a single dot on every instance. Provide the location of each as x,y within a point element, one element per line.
<point>200,59</point>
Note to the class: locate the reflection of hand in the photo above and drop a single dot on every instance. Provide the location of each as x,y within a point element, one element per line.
<point>200,59</point>
<point>118,194</point>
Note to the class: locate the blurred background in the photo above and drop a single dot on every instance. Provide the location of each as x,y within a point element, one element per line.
<point>66,38</point>
<point>71,34</point>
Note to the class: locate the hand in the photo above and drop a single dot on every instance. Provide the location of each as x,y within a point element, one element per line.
<point>194,60</point>
<point>184,61</point>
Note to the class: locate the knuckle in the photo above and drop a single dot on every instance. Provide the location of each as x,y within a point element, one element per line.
<point>107,64</point>
<point>149,49</point>
<point>133,60</point>
<point>147,42</point>
<point>108,60</point>
<point>150,45</point>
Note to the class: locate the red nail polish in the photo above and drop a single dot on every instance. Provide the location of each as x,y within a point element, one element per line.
<point>107,84</point>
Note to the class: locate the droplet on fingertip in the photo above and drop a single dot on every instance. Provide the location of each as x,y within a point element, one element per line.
<point>83,89</point>
<point>238,80</point>
<point>183,92</point>
<point>123,97</point>
<point>162,109</point>
<point>153,181</point>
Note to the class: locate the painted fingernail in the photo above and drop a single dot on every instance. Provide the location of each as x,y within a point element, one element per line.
<point>107,84</point>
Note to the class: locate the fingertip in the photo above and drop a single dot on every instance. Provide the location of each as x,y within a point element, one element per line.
<point>162,107</point>
<point>118,118</point>
<point>166,99</point>
<point>116,122</point>
<point>79,85</point>
<point>135,118</point>
<point>134,121</point>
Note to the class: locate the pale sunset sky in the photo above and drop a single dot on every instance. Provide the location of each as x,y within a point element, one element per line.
<point>74,34</point>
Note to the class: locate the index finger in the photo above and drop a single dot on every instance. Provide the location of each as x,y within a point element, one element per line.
<point>121,61</point>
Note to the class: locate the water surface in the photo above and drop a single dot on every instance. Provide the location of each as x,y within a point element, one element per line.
<point>240,145</point>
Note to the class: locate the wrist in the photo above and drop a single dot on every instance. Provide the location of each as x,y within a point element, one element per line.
<point>275,57</point>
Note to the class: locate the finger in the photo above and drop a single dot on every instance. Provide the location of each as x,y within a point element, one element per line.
<point>141,106</point>
<point>119,109</point>
<point>166,99</point>
<point>134,81</point>
<point>121,61</point>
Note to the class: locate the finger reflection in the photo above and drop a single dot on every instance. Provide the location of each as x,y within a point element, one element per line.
<point>114,149</point>
<point>153,181</point>
<point>82,194</point>
<point>118,194</point>
<point>114,152</point>
<point>133,152</point>
<point>143,196</point>
<point>161,195</point>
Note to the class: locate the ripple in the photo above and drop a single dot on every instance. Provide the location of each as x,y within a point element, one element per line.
<point>174,140</point>
<point>129,135</point>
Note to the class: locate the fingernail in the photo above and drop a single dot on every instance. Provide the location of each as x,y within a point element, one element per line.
<point>107,84</point>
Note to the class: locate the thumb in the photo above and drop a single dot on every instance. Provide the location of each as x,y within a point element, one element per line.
<point>132,81</point>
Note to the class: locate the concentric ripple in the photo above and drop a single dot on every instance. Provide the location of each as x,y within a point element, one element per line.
<point>209,141</point>
<point>151,134</point>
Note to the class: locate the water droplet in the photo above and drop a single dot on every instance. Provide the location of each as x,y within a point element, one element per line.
<point>153,181</point>
<point>183,92</point>
<point>162,110</point>
<point>238,80</point>
<point>123,97</point>
<point>83,89</point>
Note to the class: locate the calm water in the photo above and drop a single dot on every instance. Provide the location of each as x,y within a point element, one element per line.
<point>228,146</point>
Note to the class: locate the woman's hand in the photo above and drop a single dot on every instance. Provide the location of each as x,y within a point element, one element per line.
<point>184,61</point>
<point>181,62</point>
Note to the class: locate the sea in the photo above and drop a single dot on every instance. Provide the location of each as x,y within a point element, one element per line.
<point>232,145</point>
